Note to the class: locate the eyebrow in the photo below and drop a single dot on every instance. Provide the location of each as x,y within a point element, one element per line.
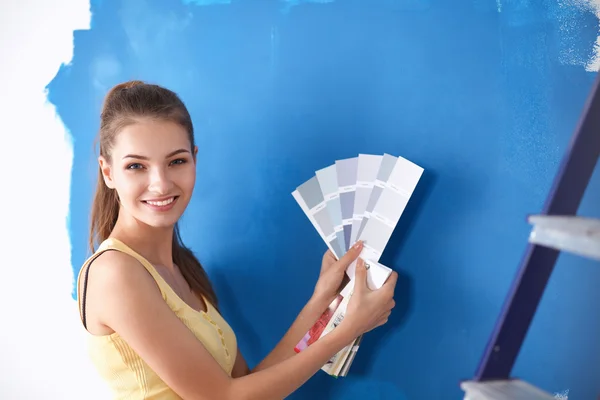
<point>171,154</point>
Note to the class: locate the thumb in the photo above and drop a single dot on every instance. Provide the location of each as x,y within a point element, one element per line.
<point>351,255</point>
<point>360,275</point>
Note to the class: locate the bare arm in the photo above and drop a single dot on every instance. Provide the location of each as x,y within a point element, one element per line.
<point>128,301</point>
<point>285,348</point>
<point>332,273</point>
<point>240,368</point>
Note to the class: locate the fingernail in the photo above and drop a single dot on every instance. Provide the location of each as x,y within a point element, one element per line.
<point>357,244</point>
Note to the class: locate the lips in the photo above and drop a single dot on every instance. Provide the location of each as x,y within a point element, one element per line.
<point>164,204</point>
<point>161,203</point>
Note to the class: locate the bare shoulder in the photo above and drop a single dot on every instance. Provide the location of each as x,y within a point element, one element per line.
<point>125,299</point>
<point>112,269</point>
<point>116,282</point>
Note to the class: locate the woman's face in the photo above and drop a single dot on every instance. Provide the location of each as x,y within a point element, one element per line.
<point>153,170</point>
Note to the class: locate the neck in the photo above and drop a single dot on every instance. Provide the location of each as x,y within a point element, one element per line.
<point>155,244</point>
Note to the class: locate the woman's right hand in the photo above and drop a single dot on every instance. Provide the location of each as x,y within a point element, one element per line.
<point>368,309</point>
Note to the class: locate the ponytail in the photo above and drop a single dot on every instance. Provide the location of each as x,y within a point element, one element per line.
<point>191,269</point>
<point>105,210</point>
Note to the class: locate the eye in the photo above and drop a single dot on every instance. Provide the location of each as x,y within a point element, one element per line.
<point>179,161</point>
<point>134,166</point>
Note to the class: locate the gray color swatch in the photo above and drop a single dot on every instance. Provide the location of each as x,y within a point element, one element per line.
<point>335,211</point>
<point>347,204</point>
<point>327,178</point>
<point>346,171</point>
<point>341,242</point>
<point>387,165</point>
<point>347,233</point>
<point>375,194</point>
<point>324,222</point>
<point>362,226</point>
<point>311,192</point>
<point>337,248</point>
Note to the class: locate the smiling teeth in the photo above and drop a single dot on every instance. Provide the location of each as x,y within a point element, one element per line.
<point>161,203</point>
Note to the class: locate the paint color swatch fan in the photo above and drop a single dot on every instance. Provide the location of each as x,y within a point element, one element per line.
<point>359,198</point>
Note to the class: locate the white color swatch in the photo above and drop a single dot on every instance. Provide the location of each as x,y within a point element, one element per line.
<point>389,207</point>
<point>368,167</point>
<point>359,198</point>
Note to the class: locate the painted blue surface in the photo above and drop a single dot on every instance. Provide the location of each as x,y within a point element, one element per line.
<point>206,2</point>
<point>485,101</point>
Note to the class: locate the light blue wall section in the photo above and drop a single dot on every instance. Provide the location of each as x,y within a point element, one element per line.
<point>484,100</point>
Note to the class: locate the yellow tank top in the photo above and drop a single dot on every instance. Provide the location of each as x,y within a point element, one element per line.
<point>126,373</point>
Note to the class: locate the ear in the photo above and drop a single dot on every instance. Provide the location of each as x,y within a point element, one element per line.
<point>195,153</point>
<point>106,172</point>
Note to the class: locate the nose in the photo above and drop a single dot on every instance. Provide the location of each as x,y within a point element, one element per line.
<point>160,183</point>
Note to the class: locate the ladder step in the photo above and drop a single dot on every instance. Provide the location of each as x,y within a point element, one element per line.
<point>578,235</point>
<point>512,389</point>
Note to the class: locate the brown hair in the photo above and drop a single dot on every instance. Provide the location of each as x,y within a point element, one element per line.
<point>123,105</point>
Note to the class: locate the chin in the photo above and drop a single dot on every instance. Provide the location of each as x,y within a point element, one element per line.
<point>159,219</point>
<point>159,223</point>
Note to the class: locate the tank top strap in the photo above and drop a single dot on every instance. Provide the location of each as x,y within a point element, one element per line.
<point>117,245</point>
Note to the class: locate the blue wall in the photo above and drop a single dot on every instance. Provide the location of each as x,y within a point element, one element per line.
<point>484,100</point>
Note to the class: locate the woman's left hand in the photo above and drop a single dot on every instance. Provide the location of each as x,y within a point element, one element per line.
<point>333,272</point>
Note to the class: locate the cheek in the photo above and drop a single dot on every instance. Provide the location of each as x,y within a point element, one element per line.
<point>187,180</point>
<point>128,187</point>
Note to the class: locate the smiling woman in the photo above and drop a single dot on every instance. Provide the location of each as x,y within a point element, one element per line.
<point>164,203</point>
<point>140,118</point>
<point>155,331</point>
<point>159,178</point>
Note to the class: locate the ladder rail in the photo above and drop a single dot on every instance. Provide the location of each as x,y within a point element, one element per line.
<point>538,261</point>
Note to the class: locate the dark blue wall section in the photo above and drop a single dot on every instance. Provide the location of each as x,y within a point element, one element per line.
<point>485,100</point>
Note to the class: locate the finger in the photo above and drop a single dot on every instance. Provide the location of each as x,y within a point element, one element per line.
<point>391,281</point>
<point>328,260</point>
<point>350,255</point>
<point>391,304</point>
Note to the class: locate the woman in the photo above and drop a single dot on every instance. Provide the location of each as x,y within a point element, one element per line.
<point>154,327</point>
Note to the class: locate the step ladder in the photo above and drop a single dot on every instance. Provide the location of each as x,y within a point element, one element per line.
<point>556,229</point>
